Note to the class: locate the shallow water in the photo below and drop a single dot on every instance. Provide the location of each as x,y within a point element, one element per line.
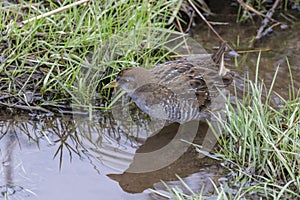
<point>276,49</point>
<point>77,158</point>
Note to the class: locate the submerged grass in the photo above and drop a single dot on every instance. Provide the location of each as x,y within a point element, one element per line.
<point>260,146</point>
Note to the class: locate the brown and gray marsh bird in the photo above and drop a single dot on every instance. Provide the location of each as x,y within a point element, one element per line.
<point>177,91</point>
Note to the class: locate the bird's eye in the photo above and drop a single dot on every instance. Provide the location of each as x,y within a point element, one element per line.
<point>124,81</point>
<point>128,83</point>
<point>128,79</point>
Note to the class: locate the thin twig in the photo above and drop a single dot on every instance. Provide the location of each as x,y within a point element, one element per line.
<point>54,11</point>
<point>247,7</point>
<point>26,107</point>
<point>262,31</point>
<point>204,19</point>
<point>209,25</point>
<point>184,39</point>
<point>253,50</point>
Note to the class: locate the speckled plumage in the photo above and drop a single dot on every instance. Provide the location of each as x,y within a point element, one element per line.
<point>179,90</point>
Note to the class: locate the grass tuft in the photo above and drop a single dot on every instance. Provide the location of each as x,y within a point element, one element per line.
<point>64,55</point>
<point>261,142</point>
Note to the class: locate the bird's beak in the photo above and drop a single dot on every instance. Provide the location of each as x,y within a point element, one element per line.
<point>112,84</point>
